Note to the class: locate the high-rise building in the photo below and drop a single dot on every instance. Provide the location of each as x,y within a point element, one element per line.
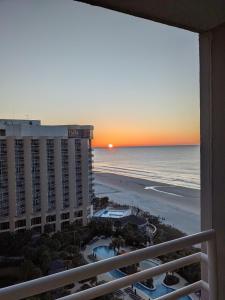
<point>46,177</point>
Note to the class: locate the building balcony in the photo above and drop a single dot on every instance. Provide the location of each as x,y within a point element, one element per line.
<point>51,282</point>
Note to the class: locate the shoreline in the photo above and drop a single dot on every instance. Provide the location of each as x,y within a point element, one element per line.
<point>106,170</point>
<point>176,205</point>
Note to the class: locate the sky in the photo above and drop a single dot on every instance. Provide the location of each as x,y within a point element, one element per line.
<point>64,62</point>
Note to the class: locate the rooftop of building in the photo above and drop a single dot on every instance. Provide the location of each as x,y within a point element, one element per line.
<point>34,128</point>
<point>123,216</point>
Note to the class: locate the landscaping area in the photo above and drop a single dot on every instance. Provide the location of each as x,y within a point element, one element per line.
<point>25,256</point>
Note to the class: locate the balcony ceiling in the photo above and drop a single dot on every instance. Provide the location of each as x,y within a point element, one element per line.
<point>194,15</point>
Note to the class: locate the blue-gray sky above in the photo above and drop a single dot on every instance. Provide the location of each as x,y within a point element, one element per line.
<point>64,62</point>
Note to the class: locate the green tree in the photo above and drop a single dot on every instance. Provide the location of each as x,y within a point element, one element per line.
<point>133,236</point>
<point>43,258</point>
<point>117,243</point>
<point>30,253</point>
<point>150,283</point>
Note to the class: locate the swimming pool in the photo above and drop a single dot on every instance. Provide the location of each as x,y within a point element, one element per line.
<point>112,213</point>
<point>103,252</point>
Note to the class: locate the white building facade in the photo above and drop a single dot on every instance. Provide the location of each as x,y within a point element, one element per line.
<point>46,179</point>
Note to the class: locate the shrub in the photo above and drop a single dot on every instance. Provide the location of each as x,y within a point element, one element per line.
<point>171,279</point>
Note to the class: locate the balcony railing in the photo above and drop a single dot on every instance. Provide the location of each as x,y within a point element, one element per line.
<point>51,282</point>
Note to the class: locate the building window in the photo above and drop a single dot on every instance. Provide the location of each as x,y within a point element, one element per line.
<point>2,132</point>
<point>4,226</point>
<point>20,223</point>
<point>51,174</point>
<point>65,216</point>
<point>4,203</point>
<point>65,172</point>
<point>65,225</point>
<point>20,177</point>
<point>36,221</point>
<point>35,158</point>
<point>51,218</point>
<point>78,214</point>
<point>79,222</point>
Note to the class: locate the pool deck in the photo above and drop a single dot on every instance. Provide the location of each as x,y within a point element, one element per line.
<point>107,277</point>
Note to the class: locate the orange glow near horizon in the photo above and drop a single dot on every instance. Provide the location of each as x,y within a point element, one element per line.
<point>120,134</point>
<point>145,128</point>
<point>129,138</point>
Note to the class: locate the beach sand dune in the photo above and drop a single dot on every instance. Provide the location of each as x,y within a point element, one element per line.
<point>179,206</point>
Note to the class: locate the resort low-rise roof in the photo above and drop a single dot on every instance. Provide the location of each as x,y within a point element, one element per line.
<point>132,219</point>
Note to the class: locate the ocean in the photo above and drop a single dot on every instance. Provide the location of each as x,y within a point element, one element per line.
<point>175,165</point>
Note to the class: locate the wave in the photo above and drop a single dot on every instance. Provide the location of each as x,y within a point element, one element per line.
<point>184,180</point>
<point>172,165</point>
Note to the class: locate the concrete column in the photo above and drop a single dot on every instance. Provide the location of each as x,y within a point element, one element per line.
<point>11,181</point>
<point>212,94</point>
<point>85,180</point>
<point>58,181</point>
<point>72,177</point>
<point>28,181</point>
<point>43,181</point>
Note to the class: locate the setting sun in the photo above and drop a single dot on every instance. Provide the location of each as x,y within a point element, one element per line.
<point>110,145</point>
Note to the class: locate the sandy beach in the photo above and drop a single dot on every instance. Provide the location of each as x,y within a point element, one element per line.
<point>179,206</point>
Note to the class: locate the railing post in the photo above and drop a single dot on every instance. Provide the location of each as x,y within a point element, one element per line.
<point>212,269</point>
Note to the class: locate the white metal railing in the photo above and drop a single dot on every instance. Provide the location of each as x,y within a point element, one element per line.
<point>51,282</point>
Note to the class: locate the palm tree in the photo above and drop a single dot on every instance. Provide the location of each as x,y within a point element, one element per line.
<point>117,243</point>
<point>150,283</point>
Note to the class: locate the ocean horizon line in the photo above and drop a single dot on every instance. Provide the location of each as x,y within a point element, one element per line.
<point>147,146</point>
<point>176,165</point>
